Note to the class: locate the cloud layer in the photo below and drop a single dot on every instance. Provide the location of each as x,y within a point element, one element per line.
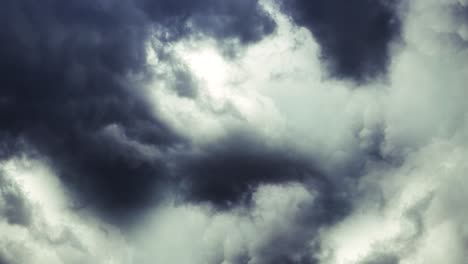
<point>205,132</point>
<point>71,87</point>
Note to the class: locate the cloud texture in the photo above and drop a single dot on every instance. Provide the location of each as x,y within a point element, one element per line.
<point>142,131</point>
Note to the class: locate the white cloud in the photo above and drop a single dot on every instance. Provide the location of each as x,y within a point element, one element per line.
<point>198,234</point>
<point>57,232</point>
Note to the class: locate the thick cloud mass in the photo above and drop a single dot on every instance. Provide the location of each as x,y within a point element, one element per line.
<point>244,20</point>
<point>65,79</point>
<point>354,36</point>
<point>229,170</point>
<point>190,132</point>
<point>71,86</point>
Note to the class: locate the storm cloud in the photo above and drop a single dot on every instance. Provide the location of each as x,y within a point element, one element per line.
<point>355,37</point>
<point>71,86</point>
<point>204,131</point>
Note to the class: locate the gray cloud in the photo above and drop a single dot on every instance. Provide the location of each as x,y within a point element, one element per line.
<point>14,207</point>
<point>232,166</point>
<point>71,71</point>
<point>355,37</point>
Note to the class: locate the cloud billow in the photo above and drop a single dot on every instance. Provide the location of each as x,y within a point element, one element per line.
<point>355,37</point>
<point>127,136</point>
<point>71,87</point>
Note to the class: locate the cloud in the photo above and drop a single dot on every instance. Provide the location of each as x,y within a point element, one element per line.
<point>46,228</point>
<point>244,20</point>
<point>236,236</point>
<point>72,77</point>
<point>227,170</point>
<point>355,38</point>
<point>383,259</point>
<point>396,220</point>
<point>131,133</point>
<point>14,208</point>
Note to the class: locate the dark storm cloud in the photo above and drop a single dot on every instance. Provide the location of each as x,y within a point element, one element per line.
<point>65,77</point>
<point>354,36</point>
<point>69,87</point>
<point>244,20</point>
<point>227,171</point>
<point>71,91</point>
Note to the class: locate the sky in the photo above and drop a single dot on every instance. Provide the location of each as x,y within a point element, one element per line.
<point>233,131</point>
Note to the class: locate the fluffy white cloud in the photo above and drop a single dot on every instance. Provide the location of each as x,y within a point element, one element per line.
<point>48,227</point>
<point>198,234</point>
